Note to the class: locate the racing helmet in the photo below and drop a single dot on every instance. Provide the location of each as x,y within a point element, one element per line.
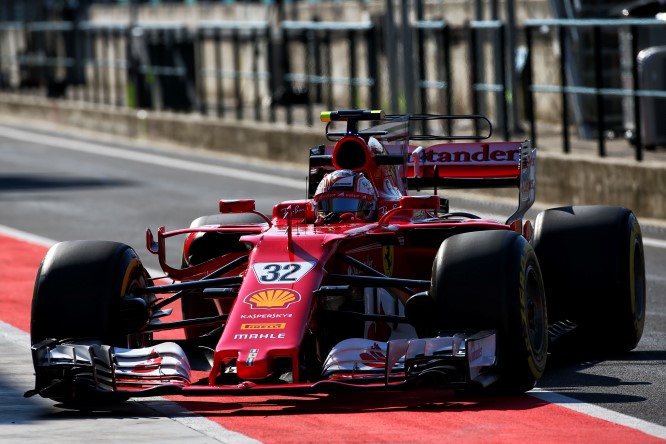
<point>344,191</point>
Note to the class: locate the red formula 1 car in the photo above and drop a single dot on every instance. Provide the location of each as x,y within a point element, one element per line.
<point>360,286</point>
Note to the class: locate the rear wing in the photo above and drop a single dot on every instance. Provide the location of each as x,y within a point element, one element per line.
<point>475,165</point>
<point>451,163</point>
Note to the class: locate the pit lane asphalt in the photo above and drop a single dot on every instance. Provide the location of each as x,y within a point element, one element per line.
<point>65,194</point>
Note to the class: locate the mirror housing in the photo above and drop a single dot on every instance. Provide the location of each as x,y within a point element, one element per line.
<point>237,206</point>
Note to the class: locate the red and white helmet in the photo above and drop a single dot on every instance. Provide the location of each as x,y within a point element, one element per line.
<point>344,191</point>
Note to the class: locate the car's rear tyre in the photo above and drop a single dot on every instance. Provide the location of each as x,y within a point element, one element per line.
<point>492,280</point>
<point>594,273</point>
<point>207,246</point>
<point>83,290</point>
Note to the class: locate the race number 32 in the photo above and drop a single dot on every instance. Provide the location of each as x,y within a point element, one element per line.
<point>281,272</point>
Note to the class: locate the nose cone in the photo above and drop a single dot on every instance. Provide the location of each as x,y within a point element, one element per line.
<point>253,364</point>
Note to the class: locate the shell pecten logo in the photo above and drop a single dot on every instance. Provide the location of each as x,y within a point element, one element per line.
<point>273,298</point>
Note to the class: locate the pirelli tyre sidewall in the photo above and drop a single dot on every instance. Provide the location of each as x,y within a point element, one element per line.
<point>635,320</point>
<point>593,266</point>
<point>492,280</point>
<point>79,291</point>
<point>203,247</point>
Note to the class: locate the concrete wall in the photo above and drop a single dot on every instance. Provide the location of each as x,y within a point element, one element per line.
<point>456,12</point>
<point>562,179</point>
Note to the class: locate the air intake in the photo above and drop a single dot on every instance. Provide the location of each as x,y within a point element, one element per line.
<point>351,153</point>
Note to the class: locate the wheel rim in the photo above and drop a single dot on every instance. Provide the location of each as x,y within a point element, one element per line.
<point>137,280</point>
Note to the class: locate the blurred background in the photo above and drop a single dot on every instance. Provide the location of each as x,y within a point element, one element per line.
<point>591,69</point>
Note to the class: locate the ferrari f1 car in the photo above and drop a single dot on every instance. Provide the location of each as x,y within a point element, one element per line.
<point>361,286</point>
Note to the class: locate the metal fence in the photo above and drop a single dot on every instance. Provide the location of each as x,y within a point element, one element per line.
<point>610,78</point>
<point>246,70</point>
<point>320,77</point>
<point>234,62</point>
<point>288,72</point>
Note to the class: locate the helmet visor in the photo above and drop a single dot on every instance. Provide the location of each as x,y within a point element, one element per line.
<point>343,205</point>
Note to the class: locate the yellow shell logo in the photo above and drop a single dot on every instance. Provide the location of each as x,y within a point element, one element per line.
<point>274,298</point>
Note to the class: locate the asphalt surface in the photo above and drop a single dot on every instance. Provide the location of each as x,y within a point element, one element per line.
<point>66,188</point>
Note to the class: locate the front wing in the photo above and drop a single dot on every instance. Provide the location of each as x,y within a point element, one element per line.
<point>65,368</point>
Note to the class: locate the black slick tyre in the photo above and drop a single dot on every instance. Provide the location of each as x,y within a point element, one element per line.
<point>491,280</point>
<point>83,290</point>
<point>594,273</point>
<point>79,292</point>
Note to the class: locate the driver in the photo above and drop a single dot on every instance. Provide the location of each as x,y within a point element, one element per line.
<point>345,196</point>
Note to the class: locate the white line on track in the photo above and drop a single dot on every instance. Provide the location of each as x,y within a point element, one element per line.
<point>28,237</point>
<point>151,159</point>
<point>656,243</point>
<point>600,412</point>
<point>211,428</point>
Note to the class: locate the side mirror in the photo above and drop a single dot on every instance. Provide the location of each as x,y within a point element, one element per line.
<point>419,202</point>
<point>237,206</point>
<point>152,246</point>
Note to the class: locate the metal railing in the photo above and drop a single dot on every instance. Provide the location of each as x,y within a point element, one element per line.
<point>571,86</point>
<point>492,33</point>
<point>436,34</point>
<point>218,68</point>
<point>240,55</point>
<point>321,79</point>
<point>264,72</point>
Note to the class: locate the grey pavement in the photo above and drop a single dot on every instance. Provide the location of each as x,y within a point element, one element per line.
<point>39,420</point>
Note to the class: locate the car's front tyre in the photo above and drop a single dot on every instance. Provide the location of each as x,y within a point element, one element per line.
<point>84,290</point>
<point>492,280</point>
